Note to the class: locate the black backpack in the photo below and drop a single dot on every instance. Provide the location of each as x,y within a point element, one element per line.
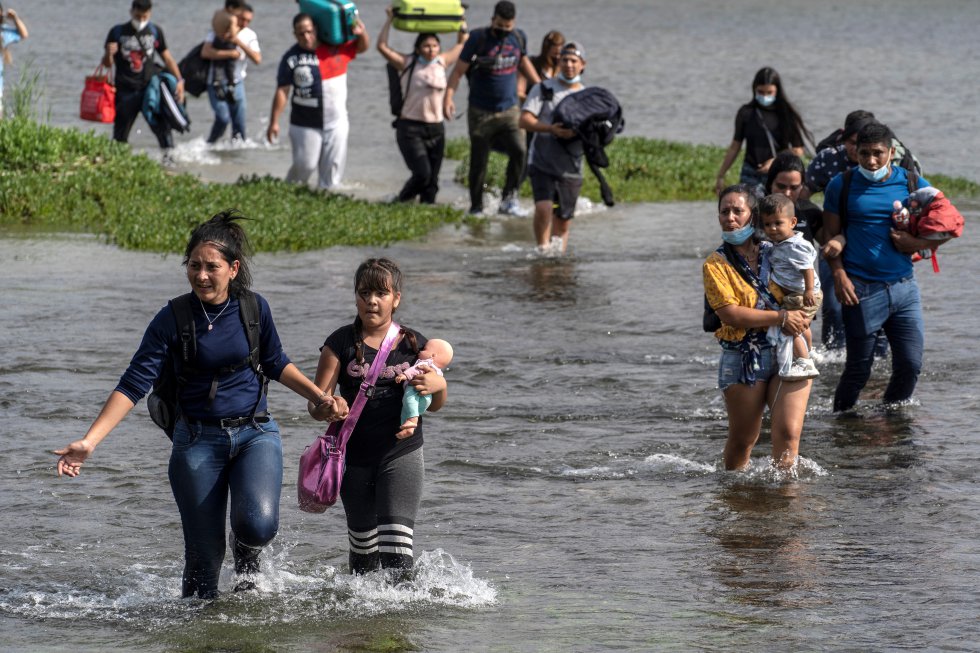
<point>594,114</point>
<point>194,70</point>
<point>162,402</point>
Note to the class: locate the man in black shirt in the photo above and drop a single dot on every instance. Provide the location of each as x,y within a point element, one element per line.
<point>133,48</point>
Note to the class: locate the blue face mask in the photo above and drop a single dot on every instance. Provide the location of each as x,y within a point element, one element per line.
<point>874,175</point>
<point>740,235</point>
<point>422,60</point>
<point>765,100</point>
<point>574,80</point>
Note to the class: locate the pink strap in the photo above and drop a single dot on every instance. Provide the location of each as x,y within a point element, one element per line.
<point>367,386</point>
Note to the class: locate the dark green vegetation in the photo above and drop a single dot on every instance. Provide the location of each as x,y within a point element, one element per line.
<point>647,170</point>
<point>68,180</point>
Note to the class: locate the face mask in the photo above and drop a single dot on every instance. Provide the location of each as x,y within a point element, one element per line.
<point>573,80</point>
<point>422,60</point>
<point>874,175</point>
<point>740,235</point>
<point>499,33</point>
<point>139,25</point>
<point>765,100</point>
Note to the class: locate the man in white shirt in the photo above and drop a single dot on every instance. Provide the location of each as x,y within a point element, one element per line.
<point>229,55</point>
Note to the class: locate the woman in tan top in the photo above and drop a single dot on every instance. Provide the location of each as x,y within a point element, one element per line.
<point>420,131</point>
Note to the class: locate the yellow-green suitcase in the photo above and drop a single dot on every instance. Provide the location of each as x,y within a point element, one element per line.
<point>437,16</point>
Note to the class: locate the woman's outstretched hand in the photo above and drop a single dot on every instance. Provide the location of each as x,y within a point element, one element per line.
<point>73,457</point>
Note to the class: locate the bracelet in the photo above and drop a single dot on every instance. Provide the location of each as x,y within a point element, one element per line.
<point>321,400</point>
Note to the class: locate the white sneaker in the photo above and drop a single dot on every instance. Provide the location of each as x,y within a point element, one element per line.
<point>801,369</point>
<point>511,206</point>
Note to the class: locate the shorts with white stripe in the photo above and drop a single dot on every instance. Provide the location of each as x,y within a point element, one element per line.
<point>381,503</point>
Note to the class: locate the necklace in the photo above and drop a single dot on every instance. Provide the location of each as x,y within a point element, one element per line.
<point>753,257</point>
<point>208,317</point>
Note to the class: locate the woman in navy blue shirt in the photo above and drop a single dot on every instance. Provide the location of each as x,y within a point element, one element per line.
<point>224,437</point>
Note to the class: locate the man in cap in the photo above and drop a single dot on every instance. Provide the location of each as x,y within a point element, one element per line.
<point>555,166</point>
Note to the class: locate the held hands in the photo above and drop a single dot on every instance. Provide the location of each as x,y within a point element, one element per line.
<point>833,247</point>
<point>331,409</point>
<point>72,457</point>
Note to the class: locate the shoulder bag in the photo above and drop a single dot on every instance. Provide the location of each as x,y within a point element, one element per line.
<point>321,467</point>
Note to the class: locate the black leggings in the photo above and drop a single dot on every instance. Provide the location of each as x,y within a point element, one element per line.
<point>422,145</point>
<point>381,503</point>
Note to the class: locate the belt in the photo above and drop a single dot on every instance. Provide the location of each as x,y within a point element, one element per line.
<point>233,422</point>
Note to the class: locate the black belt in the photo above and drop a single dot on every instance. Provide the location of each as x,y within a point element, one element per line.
<point>233,422</point>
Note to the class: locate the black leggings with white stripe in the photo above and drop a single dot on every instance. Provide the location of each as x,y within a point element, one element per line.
<point>381,503</point>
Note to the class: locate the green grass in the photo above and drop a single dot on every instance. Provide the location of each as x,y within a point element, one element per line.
<point>650,170</point>
<point>69,180</point>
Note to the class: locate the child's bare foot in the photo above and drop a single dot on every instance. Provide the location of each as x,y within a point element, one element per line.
<point>408,428</point>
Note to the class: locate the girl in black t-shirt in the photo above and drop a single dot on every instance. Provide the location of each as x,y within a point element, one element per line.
<point>769,124</point>
<point>382,485</point>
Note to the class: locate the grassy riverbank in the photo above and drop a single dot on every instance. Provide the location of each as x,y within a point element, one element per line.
<point>649,170</point>
<point>68,180</point>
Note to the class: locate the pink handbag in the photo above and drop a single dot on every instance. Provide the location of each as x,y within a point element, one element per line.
<point>321,467</point>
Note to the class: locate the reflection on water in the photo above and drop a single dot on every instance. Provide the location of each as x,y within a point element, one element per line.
<point>883,437</point>
<point>765,557</point>
<point>553,280</point>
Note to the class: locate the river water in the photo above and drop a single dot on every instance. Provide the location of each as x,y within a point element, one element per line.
<point>574,498</point>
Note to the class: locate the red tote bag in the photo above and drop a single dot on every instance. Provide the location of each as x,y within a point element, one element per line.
<point>99,97</point>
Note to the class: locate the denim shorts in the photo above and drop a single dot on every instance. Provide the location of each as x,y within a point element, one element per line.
<point>730,366</point>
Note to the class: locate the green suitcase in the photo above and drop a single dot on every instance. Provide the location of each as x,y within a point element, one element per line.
<point>437,16</point>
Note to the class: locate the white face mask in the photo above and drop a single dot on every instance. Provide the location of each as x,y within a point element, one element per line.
<point>139,25</point>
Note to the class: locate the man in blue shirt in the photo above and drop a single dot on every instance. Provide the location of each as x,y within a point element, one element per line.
<point>873,277</point>
<point>492,57</point>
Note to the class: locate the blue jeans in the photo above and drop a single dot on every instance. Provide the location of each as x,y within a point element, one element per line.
<point>832,332</point>
<point>228,111</point>
<point>896,308</point>
<point>205,463</point>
